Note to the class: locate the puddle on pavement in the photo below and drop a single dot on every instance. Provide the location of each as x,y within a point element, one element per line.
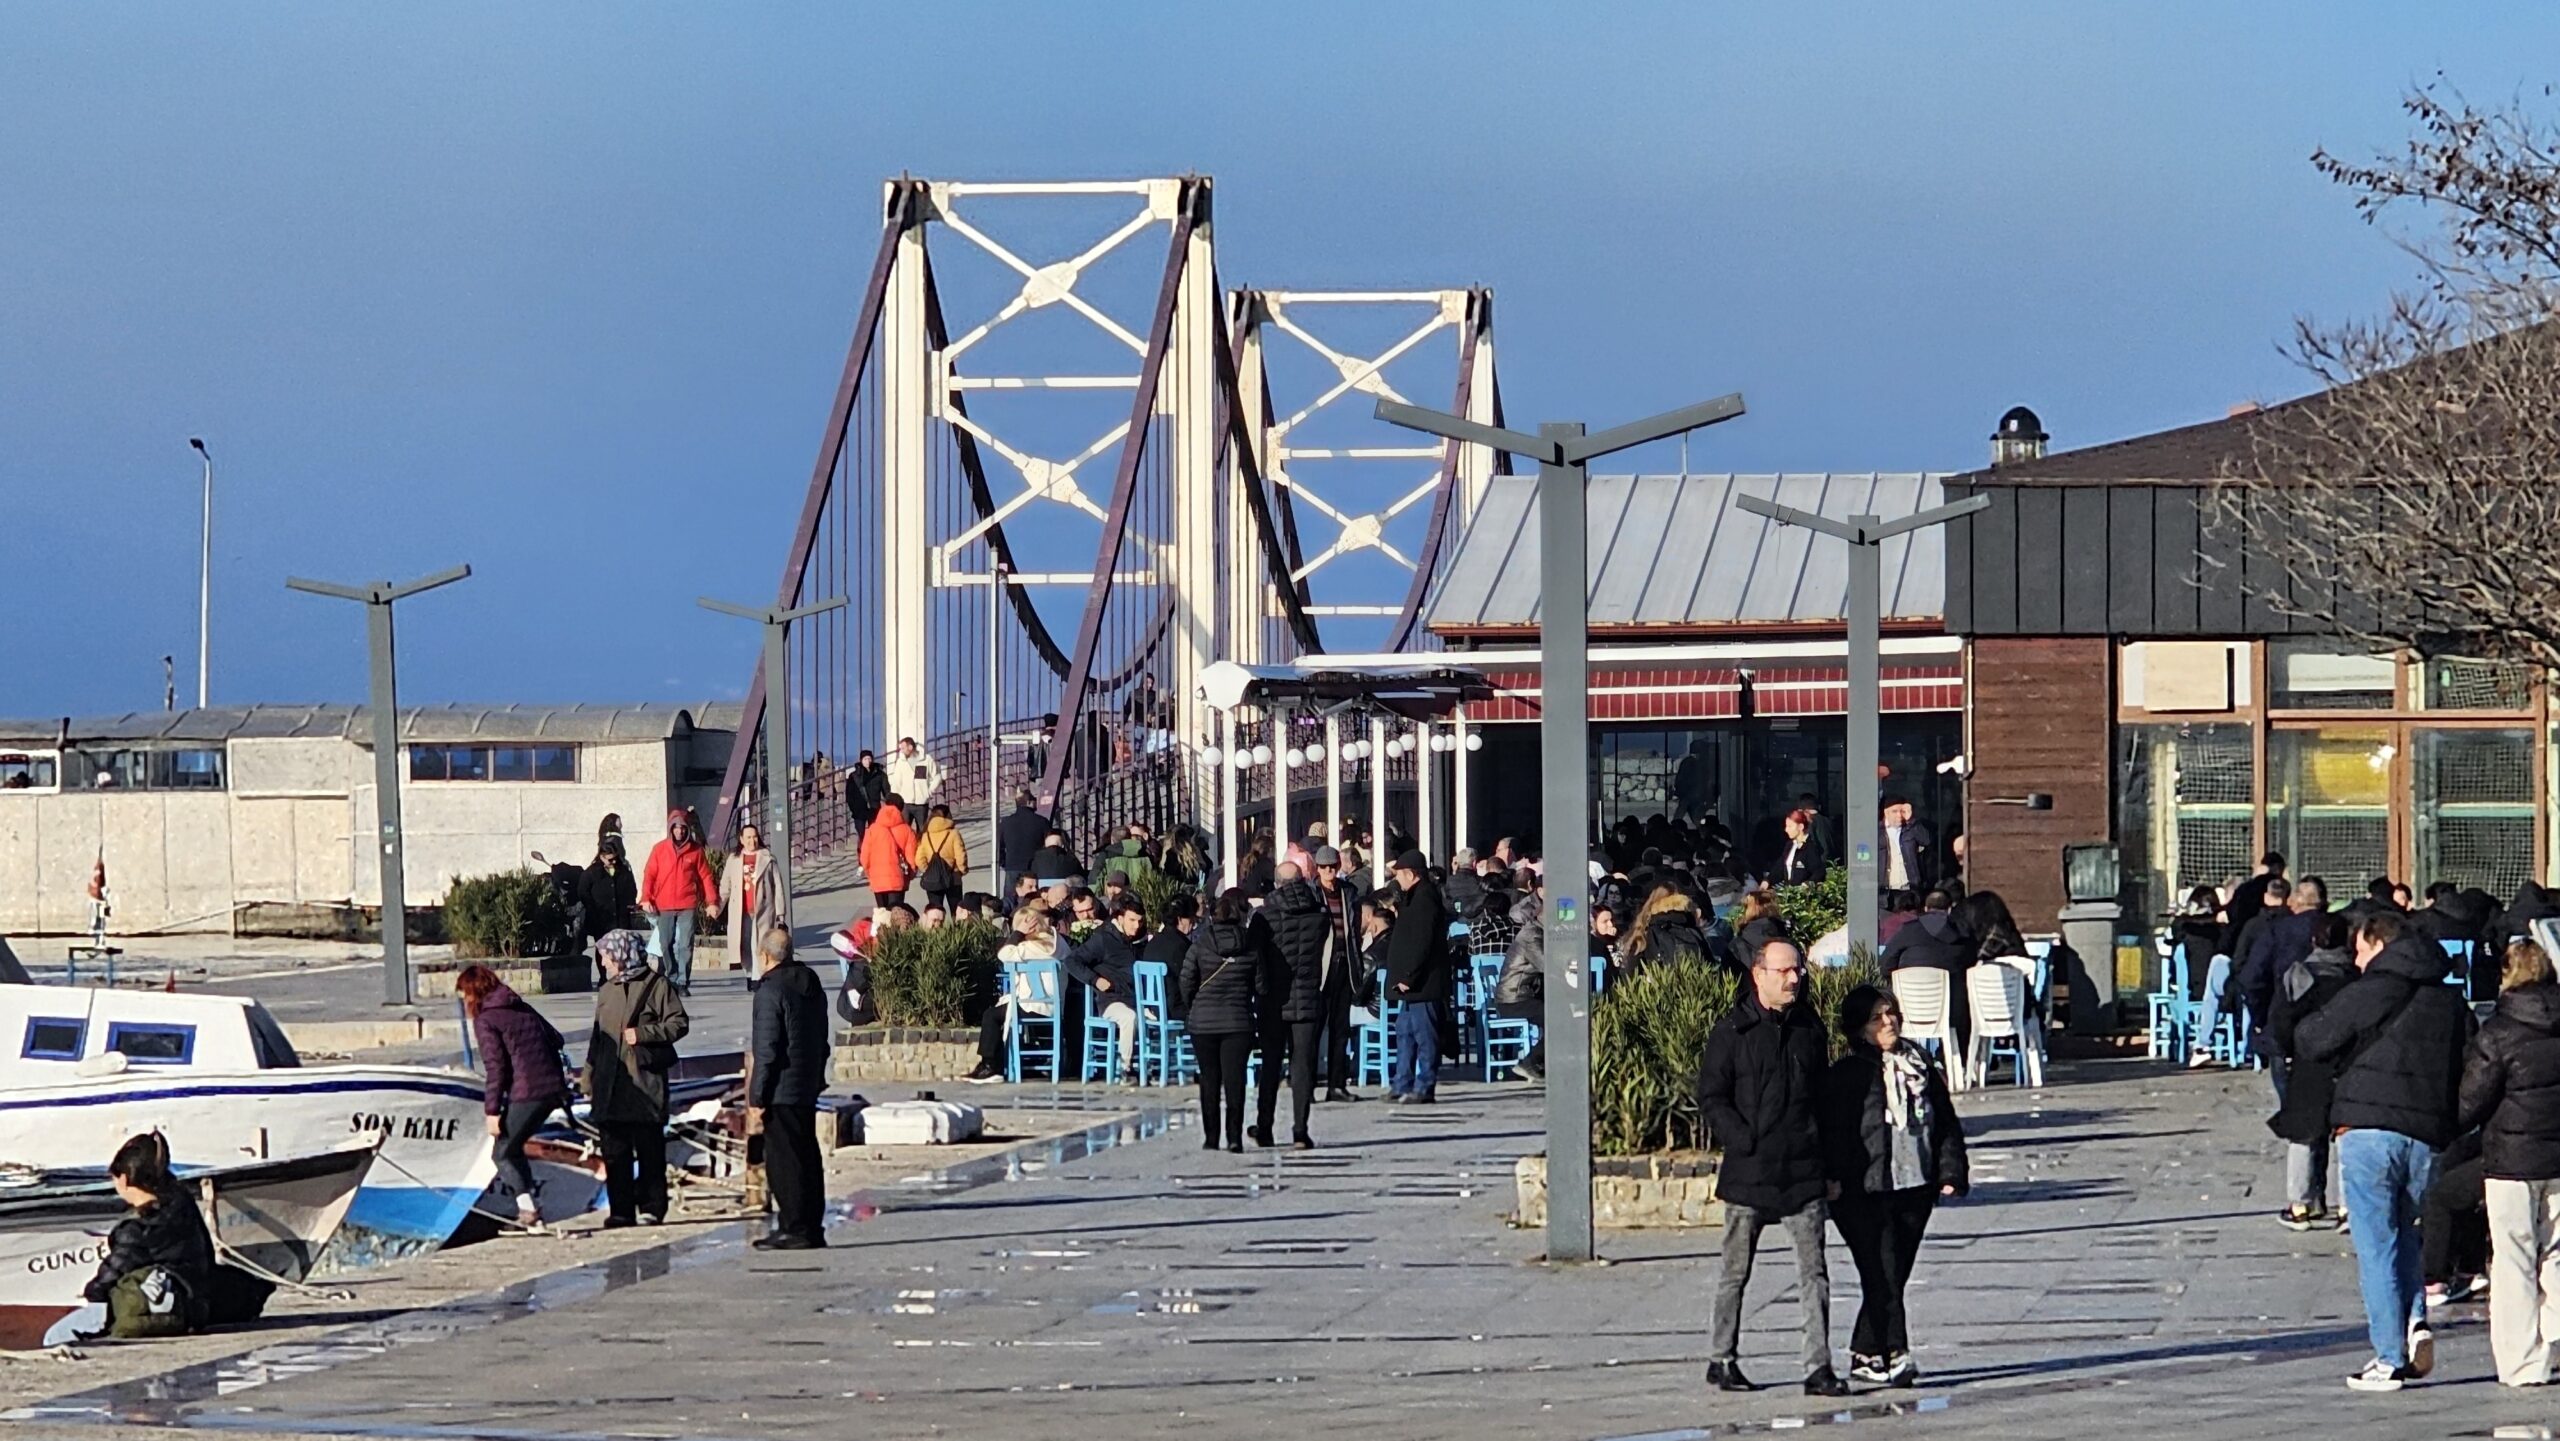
<point>171,1397</point>
<point>1173,1301</point>
<point>1283,1246</point>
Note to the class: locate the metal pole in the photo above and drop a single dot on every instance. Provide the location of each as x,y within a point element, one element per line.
<point>1284,726</point>
<point>1333,780</point>
<point>1564,743</point>
<point>1227,787</point>
<point>1425,823</point>
<point>1866,556</point>
<point>204,587</point>
<point>995,723</point>
<point>396,989</point>
<point>1461,835</point>
<point>777,776</point>
<point>1378,857</point>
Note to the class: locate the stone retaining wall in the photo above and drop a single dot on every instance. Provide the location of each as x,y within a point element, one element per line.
<point>905,1053</point>
<point>525,975</point>
<point>1630,1192</point>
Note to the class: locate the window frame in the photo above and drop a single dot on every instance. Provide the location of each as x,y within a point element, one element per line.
<point>32,757</point>
<point>537,758</point>
<point>185,1031</point>
<point>79,1038</point>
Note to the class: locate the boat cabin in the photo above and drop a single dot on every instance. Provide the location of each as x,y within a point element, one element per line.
<point>55,1033</point>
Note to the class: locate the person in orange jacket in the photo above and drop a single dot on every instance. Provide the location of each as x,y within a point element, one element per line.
<point>676,883</point>
<point>889,853</point>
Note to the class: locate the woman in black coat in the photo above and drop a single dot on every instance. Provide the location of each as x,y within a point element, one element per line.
<point>609,890</point>
<point>158,1270</point>
<point>1218,987</point>
<point>2306,1086</point>
<point>1892,1144</point>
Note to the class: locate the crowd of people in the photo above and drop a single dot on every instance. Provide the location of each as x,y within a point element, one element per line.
<point>2431,1138</point>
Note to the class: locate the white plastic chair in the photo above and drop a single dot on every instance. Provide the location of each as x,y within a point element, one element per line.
<point>1922,993</point>
<point>1998,996</point>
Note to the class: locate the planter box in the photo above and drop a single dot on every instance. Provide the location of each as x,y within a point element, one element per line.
<point>1630,1192</point>
<point>905,1053</point>
<point>525,975</point>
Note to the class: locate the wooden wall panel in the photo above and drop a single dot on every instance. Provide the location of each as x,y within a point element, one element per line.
<point>2042,720</point>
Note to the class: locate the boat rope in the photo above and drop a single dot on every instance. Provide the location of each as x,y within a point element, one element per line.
<point>230,1255</point>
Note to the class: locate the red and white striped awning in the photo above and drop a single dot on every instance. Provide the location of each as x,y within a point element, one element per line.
<point>1668,693</point>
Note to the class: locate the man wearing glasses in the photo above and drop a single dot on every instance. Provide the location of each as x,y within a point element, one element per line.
<point>1756,1086</point>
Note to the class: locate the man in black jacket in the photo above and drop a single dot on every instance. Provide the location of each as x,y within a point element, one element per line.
<point>790,1057</point>
<point>1417,966</point>
<point>2397,1032</point>
<point>1758,1084</point>
<point>1106,961</point>
<point>2279,942</point>
<point>2247,899</point>
<point>864,789</point>
<point>1018,838</point>
<point>1302,938</point>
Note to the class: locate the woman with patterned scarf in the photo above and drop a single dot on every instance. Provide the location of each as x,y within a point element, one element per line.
<point>1893,1146</point>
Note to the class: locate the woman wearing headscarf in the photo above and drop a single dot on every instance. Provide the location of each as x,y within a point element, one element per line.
<point>1893,1146</point>
<point>639,1019</point>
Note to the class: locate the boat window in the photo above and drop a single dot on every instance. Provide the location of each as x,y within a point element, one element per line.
<point>53,1038</point>
<point>152,1045</point>
<point>275,1053</point>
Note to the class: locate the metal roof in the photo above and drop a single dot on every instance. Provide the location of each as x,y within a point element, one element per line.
<point>1672,550</point>
<point>216,724</point>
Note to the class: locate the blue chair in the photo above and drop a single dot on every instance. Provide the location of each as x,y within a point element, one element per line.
<point>1101,1043</point>
<point>2040,950</point>
<point>2167,1029</point>
<point>2208,1027</point>
<point>1506,1041</point>
<point>1164,1045</point>
<point>2464,956</point>
<point>1599,973</point>
<point>1374,1045</point>
<point>1032,1039</point>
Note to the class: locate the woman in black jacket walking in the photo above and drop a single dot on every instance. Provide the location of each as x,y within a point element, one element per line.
<point>2511,1091</point>
<point>2303,1086</point>
<point>1892,1145</point>
<point>1218,987</point>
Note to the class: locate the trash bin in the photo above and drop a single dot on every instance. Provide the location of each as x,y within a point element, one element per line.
<point>2093,879</point>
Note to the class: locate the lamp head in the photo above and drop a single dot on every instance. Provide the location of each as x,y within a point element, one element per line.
<point>197,441</point>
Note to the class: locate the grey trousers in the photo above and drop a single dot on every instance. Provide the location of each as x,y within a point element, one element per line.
<point>1742,1228</point>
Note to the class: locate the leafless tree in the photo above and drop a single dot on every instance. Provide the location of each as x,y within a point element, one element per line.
<point>2414,500</point>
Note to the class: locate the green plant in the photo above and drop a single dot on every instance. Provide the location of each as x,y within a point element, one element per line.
<point>1816,908</point>
<point>925,978</point>
<point>510,913</point>
<point>1155,890</point>
<point>1648,1032</point>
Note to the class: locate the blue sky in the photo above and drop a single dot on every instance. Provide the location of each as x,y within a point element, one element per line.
<point>562,290</point>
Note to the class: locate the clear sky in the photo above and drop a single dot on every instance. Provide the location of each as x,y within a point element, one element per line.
<point>562,290</point>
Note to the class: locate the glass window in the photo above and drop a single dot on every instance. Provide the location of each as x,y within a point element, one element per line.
<point>53,1038</point>
<point>467,763</point>
<point>187,770</point>
<point>152,1045</point>
<point>275,1053</point>
<point>511,763</point>
<point>555,763</point>
<point>2329,803</point>
<point>2473,811</point>
<point>2320,675</point>
<point>2186,794</point>
<point>426,763</point>
<point>26,770</point>
<point>2476,685</point>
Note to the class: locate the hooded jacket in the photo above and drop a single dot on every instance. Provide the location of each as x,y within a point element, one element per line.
<point>519,1052</point>
<point>1857,1138</point>
<point>1128,857</point>
<point>789,1038</point>
<point>1299,926</point>
<point>1934,941</point>
<point>2397,1034</point>
<point>941,841</point>
<point>1759,1085</point>
<point>678,877</point>
<point>888,850</point>
<point>2511,1086</point>
<point>2303,1115</point>
<point>1221,978</point>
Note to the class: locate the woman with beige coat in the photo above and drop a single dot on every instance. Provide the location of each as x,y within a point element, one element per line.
<point>751,893</point>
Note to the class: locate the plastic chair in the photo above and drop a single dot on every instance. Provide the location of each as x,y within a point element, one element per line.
<point>1599,972</point>
<point>1375,1044</point>
<point>1506,1041</point>
<point>2167,1028</point>
<point>1922,993</point>
<point>1101,1044</point>
<point>2040,973</point>
<point>2464,956</point>
<point>2206,1028</point>
<point>1164,1044</point>
<point>2002,1026</point>
<point>1031,1038</point>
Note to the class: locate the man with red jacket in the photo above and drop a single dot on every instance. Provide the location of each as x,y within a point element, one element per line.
<point>676,883</point>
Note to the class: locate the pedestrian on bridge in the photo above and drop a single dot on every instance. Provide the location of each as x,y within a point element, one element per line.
<point>942,859</point>
<point>676,883</point>
<point>1018,838</point>
<point>889,853</point>
<point>913,771</point>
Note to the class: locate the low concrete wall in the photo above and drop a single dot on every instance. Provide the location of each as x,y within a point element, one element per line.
<point>904,1053</point>
<point>526,975</point>
<point>1630,1192</point>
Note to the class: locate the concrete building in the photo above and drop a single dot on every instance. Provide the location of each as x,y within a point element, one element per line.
<point>209,820</point>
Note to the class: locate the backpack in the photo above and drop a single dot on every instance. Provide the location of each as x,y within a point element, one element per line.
<point>148,1302</point>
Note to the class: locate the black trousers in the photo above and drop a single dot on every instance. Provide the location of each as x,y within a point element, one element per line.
<point>522,1119</point>
<point>947,897</point>
<point>635,1168</point>
<point>1292,1043</point>
<point>795,1175</point>
<point>1222,1065</point>
<point>2453,1224</point>
<point>1338,1073</point>
<point>1883,1233</point>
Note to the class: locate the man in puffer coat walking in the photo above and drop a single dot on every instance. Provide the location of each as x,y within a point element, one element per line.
<point>1304,940</point>
<point>1758,1084</point>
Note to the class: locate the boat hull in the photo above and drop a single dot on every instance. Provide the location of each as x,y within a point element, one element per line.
<point>433,1166</point>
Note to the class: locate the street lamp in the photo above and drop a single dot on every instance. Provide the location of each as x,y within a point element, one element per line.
<point>1563,453</point>
<point>376,599</point>
<point>204,577</point>
<point>1866,535</point>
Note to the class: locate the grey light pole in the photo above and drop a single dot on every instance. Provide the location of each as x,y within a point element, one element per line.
<point>1866,536</point>
<point>996,577</point>
<point>204,578</point>
<point>1563,454</point>
<point>777,743</point>
<point>376,599</point>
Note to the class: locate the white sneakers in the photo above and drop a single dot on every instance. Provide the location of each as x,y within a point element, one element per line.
<point>2380,1375</point>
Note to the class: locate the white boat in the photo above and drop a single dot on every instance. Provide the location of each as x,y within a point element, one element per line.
<point>276,1216</point>
<point>216,1076</point>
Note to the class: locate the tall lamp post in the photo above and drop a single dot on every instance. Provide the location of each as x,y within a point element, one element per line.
<point>1866,536</point>
<point>377,599</point>
<point>1563,453</point>
<point>777,741</point>
<point>204,578</point>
